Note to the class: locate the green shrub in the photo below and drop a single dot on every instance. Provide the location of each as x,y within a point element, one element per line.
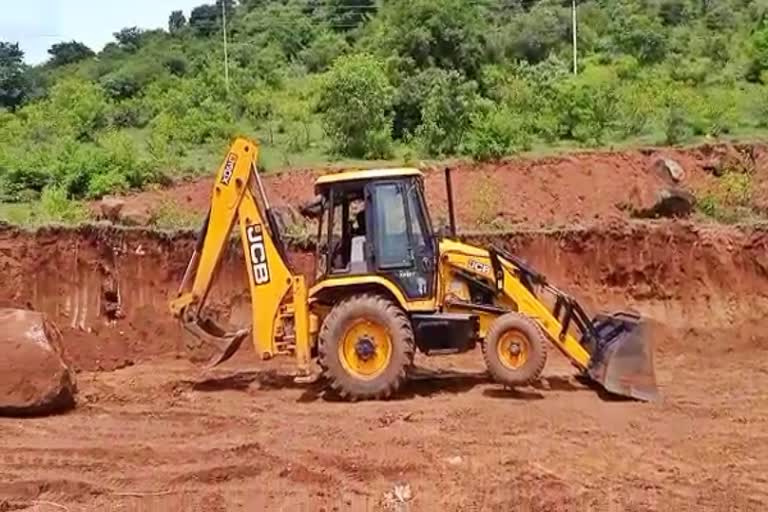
<point>132,113</point>
<point>736,188</point>
<point>176,64</point>
<point>325,49</point>
<point>447,113</point>
<point>121,156</point>
<point>496,133</point>
<point>636,106</point>
<point>56,206</point>
<point>588,110</point>
<point>677,112</point>
<point>759,106</point>
<point>77,107</point>
<point>355,101</point>
<point>109,182</point>
<point>715,113</point>
<point>171,215</point>
<point>730,200</point>
<point>163,144</point>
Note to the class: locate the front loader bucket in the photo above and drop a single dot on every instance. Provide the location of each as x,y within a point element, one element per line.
<point>622,361</point>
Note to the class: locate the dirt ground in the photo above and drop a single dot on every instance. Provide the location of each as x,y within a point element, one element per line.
<point>155,432</point>
<point>164,436</point>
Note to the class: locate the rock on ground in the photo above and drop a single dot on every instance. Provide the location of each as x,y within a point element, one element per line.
<point>670,170</point>
<point>34,377</point>
<point>665,202</point>
<point>118,211</point>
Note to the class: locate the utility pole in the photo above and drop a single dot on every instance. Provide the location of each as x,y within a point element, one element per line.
<point>226,55</point>
<point>575,43</point>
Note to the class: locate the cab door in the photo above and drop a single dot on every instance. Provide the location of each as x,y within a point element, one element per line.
<point>403,249</point>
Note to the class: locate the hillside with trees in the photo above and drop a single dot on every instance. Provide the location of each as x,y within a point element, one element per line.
<point>326,80</point>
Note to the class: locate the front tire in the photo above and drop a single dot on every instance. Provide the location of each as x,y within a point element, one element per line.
<point>366,347</point>
<point>515,350</point>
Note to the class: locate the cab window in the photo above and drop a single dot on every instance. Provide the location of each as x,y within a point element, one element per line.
<point>392,243</point>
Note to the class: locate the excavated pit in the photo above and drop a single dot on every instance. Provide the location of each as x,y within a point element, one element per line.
<point>155,433</point>
<point>108,288</point>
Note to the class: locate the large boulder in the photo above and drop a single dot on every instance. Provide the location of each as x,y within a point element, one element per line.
<point>34,377</point>
<point>118,211</point>
<point>663,202</point>
<point>110,208</point>
<point>668,203</point>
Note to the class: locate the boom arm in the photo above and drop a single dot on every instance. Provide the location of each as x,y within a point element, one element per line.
<point>238,195</point>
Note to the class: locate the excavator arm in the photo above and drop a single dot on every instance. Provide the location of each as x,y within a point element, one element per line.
<point>279,306</point>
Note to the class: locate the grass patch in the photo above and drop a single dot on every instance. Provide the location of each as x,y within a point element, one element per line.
<point>53,207</point>
<point>172,216</point>
<point>730,200</point>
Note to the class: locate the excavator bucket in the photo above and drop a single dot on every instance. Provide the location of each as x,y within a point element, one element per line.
<point>225,342</point>
<point>622,362</point>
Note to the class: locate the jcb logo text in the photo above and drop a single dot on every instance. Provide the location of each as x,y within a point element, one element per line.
<point>258,254</point>
<point>229,169</point>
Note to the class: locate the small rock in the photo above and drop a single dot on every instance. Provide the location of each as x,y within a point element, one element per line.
<point>455,460</point>
<point>135,216</point>
<point>110,208</point>
<point>670,169</point>
<point>402,493</point>
<point>397,499</point>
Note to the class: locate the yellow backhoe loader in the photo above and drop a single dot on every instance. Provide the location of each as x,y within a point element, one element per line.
<point>386,285</point>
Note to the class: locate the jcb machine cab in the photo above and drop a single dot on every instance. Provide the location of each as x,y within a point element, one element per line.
<point>386,285</point>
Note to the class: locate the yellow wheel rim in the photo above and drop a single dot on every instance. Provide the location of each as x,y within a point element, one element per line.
<point>365,349</point>
<point>513,349</point>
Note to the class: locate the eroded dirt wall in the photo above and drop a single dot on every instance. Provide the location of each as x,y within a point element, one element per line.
<point>108,288</point>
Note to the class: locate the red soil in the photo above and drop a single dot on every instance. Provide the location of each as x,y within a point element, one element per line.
<point>160,435</point>
<point>581,188</point>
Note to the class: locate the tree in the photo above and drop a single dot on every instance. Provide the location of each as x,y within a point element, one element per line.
<point>283,24</point>
<point>447,113</point>
<point>345,15</point>
<point>356,100</point>
<point>323,50</point>
<point>448,34</point>
<point>535,35</point>
<point>641,37</point>
<point>758,62</point>
<point>68,53</point>
<point>13,84</point>
<point>674,12</point>
<point>229,5</point>
<point>129,39</point>
<point>204,19</point>
<point>176,22</point>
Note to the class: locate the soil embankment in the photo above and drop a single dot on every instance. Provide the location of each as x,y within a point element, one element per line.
<point>109,288</point>
<point>574,189</point>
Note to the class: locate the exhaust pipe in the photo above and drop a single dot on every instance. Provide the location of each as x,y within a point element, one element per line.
<point>449,193</point>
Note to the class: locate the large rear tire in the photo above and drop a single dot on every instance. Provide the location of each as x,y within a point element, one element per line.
<point>515,350</point>
<point>366,347</point>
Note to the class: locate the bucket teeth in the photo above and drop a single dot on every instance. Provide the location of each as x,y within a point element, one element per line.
<point>623,359</point>
<point>226,342</point>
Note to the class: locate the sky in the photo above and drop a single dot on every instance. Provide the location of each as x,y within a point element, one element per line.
<point>38,24</point>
